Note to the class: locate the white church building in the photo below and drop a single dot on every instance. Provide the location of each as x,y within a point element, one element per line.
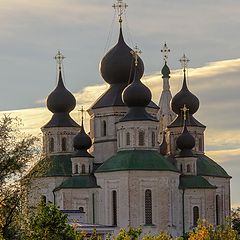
<point>142,164</point>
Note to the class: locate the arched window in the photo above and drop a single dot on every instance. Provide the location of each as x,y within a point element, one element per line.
<point>51,145</point>
<point>83,169</point>
<point>141,138</point>
<point>89,168</point>
<point>43,199</point>
<point>104,128</point>
<point>181,167</point>
<point>76,169</point>
<point>148,207</point>
<point>81,209</point>
<point>153,139</point>
<point>114,208</point>
<point>200,144</point>
<point>64,144</point>
<point>195,215</point>
<point>217,210</point>
<point>127,138</point>
<point>188,168</point>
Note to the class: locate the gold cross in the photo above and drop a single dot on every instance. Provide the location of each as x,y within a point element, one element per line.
<point>184,109</point>
<point>59,58</point>
<point>184,61</point>
<point>136,52</point>
<point>165,52</point>
<point>82,111</point>
<point>120,6</point>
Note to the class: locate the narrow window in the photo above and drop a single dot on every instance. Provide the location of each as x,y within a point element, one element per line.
<point>181,168</point>
<point>114,208</point>
<point>43,199</point>
<point>89,168</point>
<point>64,144</point>
<point>83,169</point>
<point>81,209</point>
<point>104,128</point>
<point>188,168</point>
<point>127,138</point>
<point>76,169</point>
<point>217,210</point>
<point>51,145</point>
<point>200,144</point>
<point>141,138</point>
<point>148,207</point>
<point>195,215</point>
<point>153,139</point>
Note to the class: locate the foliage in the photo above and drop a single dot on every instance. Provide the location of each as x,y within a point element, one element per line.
<point>236,219</point>
<point>16,151</point>
<point>130,234</point>
<point>50,223</point>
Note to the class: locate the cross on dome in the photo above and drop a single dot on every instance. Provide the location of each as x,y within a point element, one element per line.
<point>136,52</point>
<point>59,59</point>
<point>120,7</point>
<point>184,110</point>
<point>82,111</point>
<point>184,61</point>
<point>165,50</point>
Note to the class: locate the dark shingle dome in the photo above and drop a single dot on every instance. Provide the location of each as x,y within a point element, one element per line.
<point>82,141</point>
<point>165,71</point>
<point>60,99</point>
<point>184,96</point>
<point>117,65</point>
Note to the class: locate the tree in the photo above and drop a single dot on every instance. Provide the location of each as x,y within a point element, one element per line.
<point>236,219</point>
<point>17,150</point>
<point>50,223</point>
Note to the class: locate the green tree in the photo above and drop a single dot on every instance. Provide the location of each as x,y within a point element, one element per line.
<point>236,219</point>
<point>17,150</point>
<point>49,222</point>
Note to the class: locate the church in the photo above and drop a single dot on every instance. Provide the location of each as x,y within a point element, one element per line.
<point>142,164</point>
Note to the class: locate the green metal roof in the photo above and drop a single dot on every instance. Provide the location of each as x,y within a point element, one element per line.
<point>136,160</point>
<point>207,167</point>
<point>81,181</point>
<point>55,165</point>
<point>192,182</point>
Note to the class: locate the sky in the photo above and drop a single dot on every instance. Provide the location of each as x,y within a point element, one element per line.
<point>31,32</point>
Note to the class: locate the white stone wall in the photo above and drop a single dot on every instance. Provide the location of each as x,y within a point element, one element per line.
<point>134,128</point>
<point>184,164</point>
<point>131,187</point>
<point>80,161</point>
<point>58,133</point>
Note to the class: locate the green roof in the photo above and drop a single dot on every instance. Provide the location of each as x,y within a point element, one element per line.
<point>207,167</point>
<point>192,182</point>
<point>51,166</point>
<point>81,181</point>
<point>137,160</point>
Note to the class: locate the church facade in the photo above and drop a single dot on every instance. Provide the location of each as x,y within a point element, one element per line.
<point>141,165</point>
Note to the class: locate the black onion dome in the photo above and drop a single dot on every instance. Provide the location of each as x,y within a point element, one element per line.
<point>60,99</point>
<point>82,141</point>
<point>116,66</point>
<point>136,94</point>
<point>165,71</point>
<point>185,142</point>
<point>184,96</point>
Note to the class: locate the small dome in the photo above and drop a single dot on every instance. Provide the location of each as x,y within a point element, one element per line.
<point>165,71</point>
<point>186,141</point>
<point>82,141</point>
<point>117,65</point>
<point>60,99</point>
<point>184,96</point>
<point>136,94</point>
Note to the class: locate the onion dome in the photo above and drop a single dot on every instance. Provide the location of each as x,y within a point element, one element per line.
<point>184,96</point>
<point>186,143</point>
<point>81,143</point>
<point>165,71</point>
<point>163,146</point>
<point>60,99</point>
<point>117,65</point>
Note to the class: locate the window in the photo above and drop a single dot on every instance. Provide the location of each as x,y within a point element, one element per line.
<point>51,145</point>
<point>188,168</point>
<point>141,138</point>
<point>104,128</point>
<point>76,169</point>
<point>195,215</point>
<point>83,169</point>
<point>148,207</point>
<point>43,199</point>
<point>64,144</point>
<point>153,139</point>
<point>81,209</point>
<point>89,168</point>
<point>200,144</point>
<point>217,210</point>
<point>127,138</point>
<point>114,208</point>
<point>181,168</point>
